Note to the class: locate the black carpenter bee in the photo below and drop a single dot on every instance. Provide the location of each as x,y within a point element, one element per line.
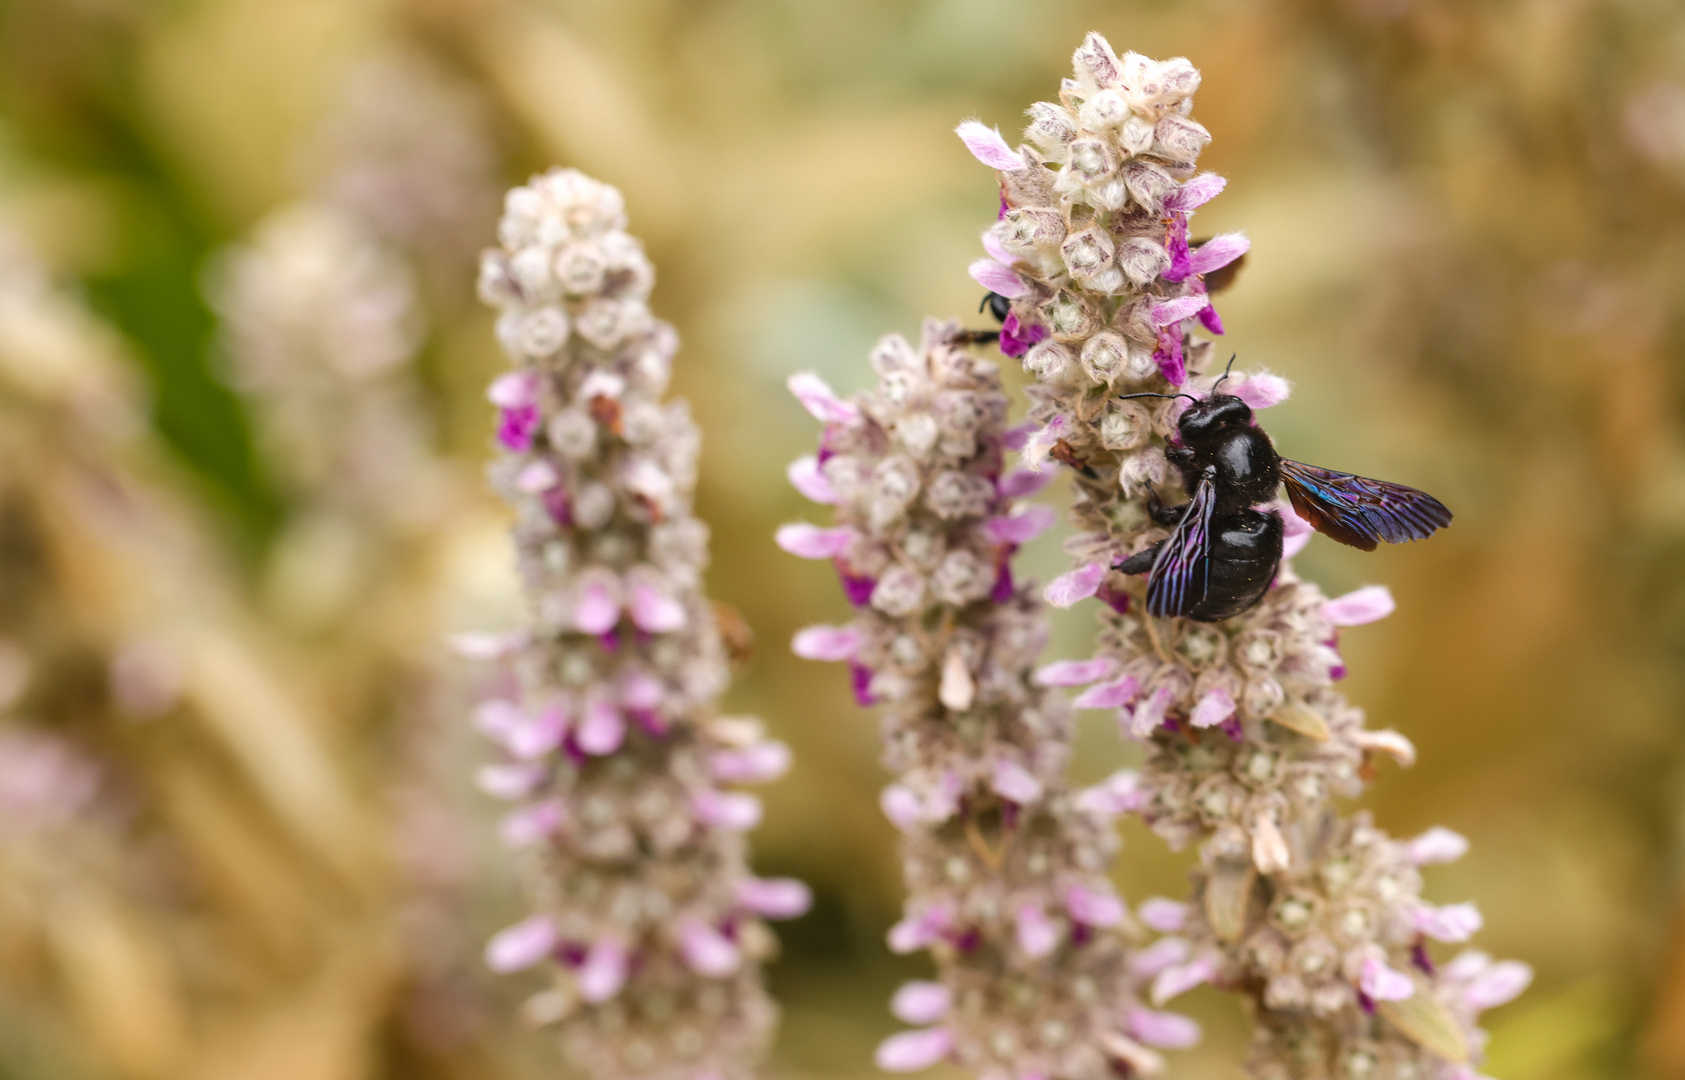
<point>998,306</point>
<point>1223,552</point>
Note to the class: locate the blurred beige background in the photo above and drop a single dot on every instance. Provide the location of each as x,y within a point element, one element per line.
<point>223,585</point>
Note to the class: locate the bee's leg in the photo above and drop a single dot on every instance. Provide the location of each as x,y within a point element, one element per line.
<point>1168,516</point>
<point>1141,561</point>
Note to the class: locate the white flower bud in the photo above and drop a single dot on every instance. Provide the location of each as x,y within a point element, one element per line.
<point>962,578</point>
<point>1029,231</point>
<point>593,505</point>
<point>1148,184</point>
<point>606,323</point>
<point>1124,426</point>
<point>899,592</point>
<point>1051,127</point>
<point>542,333</point>
<point>1092,161</point>
<point>1142,260</point>
<point>572,434</point>
<point>1050,362</point>
<point>1104,110</point>
<point>1088,256</point>
<point>580,269</point>
<point>1137,134</point>
<point>1105,355</point>
<point>1177,138</point>
<point>1069,317</point>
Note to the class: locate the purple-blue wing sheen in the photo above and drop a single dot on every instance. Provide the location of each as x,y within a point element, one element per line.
<point>1182,571</point>
<point>1358,511</point>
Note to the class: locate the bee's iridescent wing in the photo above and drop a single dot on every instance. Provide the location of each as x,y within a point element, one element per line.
<point>1358,511</point>
<point>1182,571</point>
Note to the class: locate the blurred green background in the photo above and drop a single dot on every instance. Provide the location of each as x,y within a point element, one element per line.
<point>242,422</point>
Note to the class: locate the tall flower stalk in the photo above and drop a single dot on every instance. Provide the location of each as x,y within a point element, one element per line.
<point>1005,863</point>
<point>647,917</point>
<point>1316,918</point>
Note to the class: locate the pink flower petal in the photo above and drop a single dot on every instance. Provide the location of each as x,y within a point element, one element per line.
<point>654,611</point>
<point>1039,443</point>
<point>1119,793</point>
<point>708,952</point>
<point>1165,916</point>
<point>901,806</point>
<point>921,1002</point>
<point>1453,922</point>
<point>807,478</point>
<point>1169,1030</point>
<point>641,690</point>
<point>509,782</point>
<point>811,542</point>
<point>1167,312</point>
<point>1037,934</point>
<point>828,643</point>
<point>1218,252</point>
<point>602,730</point>
<point>1262,391</point>
<point>819,400</point>
<point>1214,708</point>
<point>1195,193</point>
<point>1108,695</point>
<point>596,608</point>
<point>537,476</point>
<point>733,811</point>
<point>1383,983</point>
<point>1078,584</point>
<point>1175,981</point>
<point>1093,907</point>
<point>916,931</point>
<point>514,390</point>
<point>1161,955</point>
<point>987,146</point>
<point>1437,845</point>
<point>994,249</point>
<point>757,764</point>
<point>911,1051</point>
<point>498,719</point>
<point>1360,606</point>
<point>1014,782</point>
<point>531,824</point>
<point>482,645</point>
<point>1021,483</point>
<point>519,947</point>
<point>1022,527</point>
<point>1075,672</point>
<point>1147,715</point>
<point>997,278</point>
<point>1499,984</point>
<point>603,972</point>
<point>1014,437</point>
<point>540,735</point>
<point>775,898</point>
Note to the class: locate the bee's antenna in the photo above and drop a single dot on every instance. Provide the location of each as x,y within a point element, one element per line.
<point>1125,397</point>
<point>1226,372</point>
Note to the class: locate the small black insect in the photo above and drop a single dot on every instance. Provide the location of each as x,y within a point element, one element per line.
<point>1000,307</point>
<point>1223,553</point>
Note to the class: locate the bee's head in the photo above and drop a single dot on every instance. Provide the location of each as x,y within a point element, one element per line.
<point>1211,414</point>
